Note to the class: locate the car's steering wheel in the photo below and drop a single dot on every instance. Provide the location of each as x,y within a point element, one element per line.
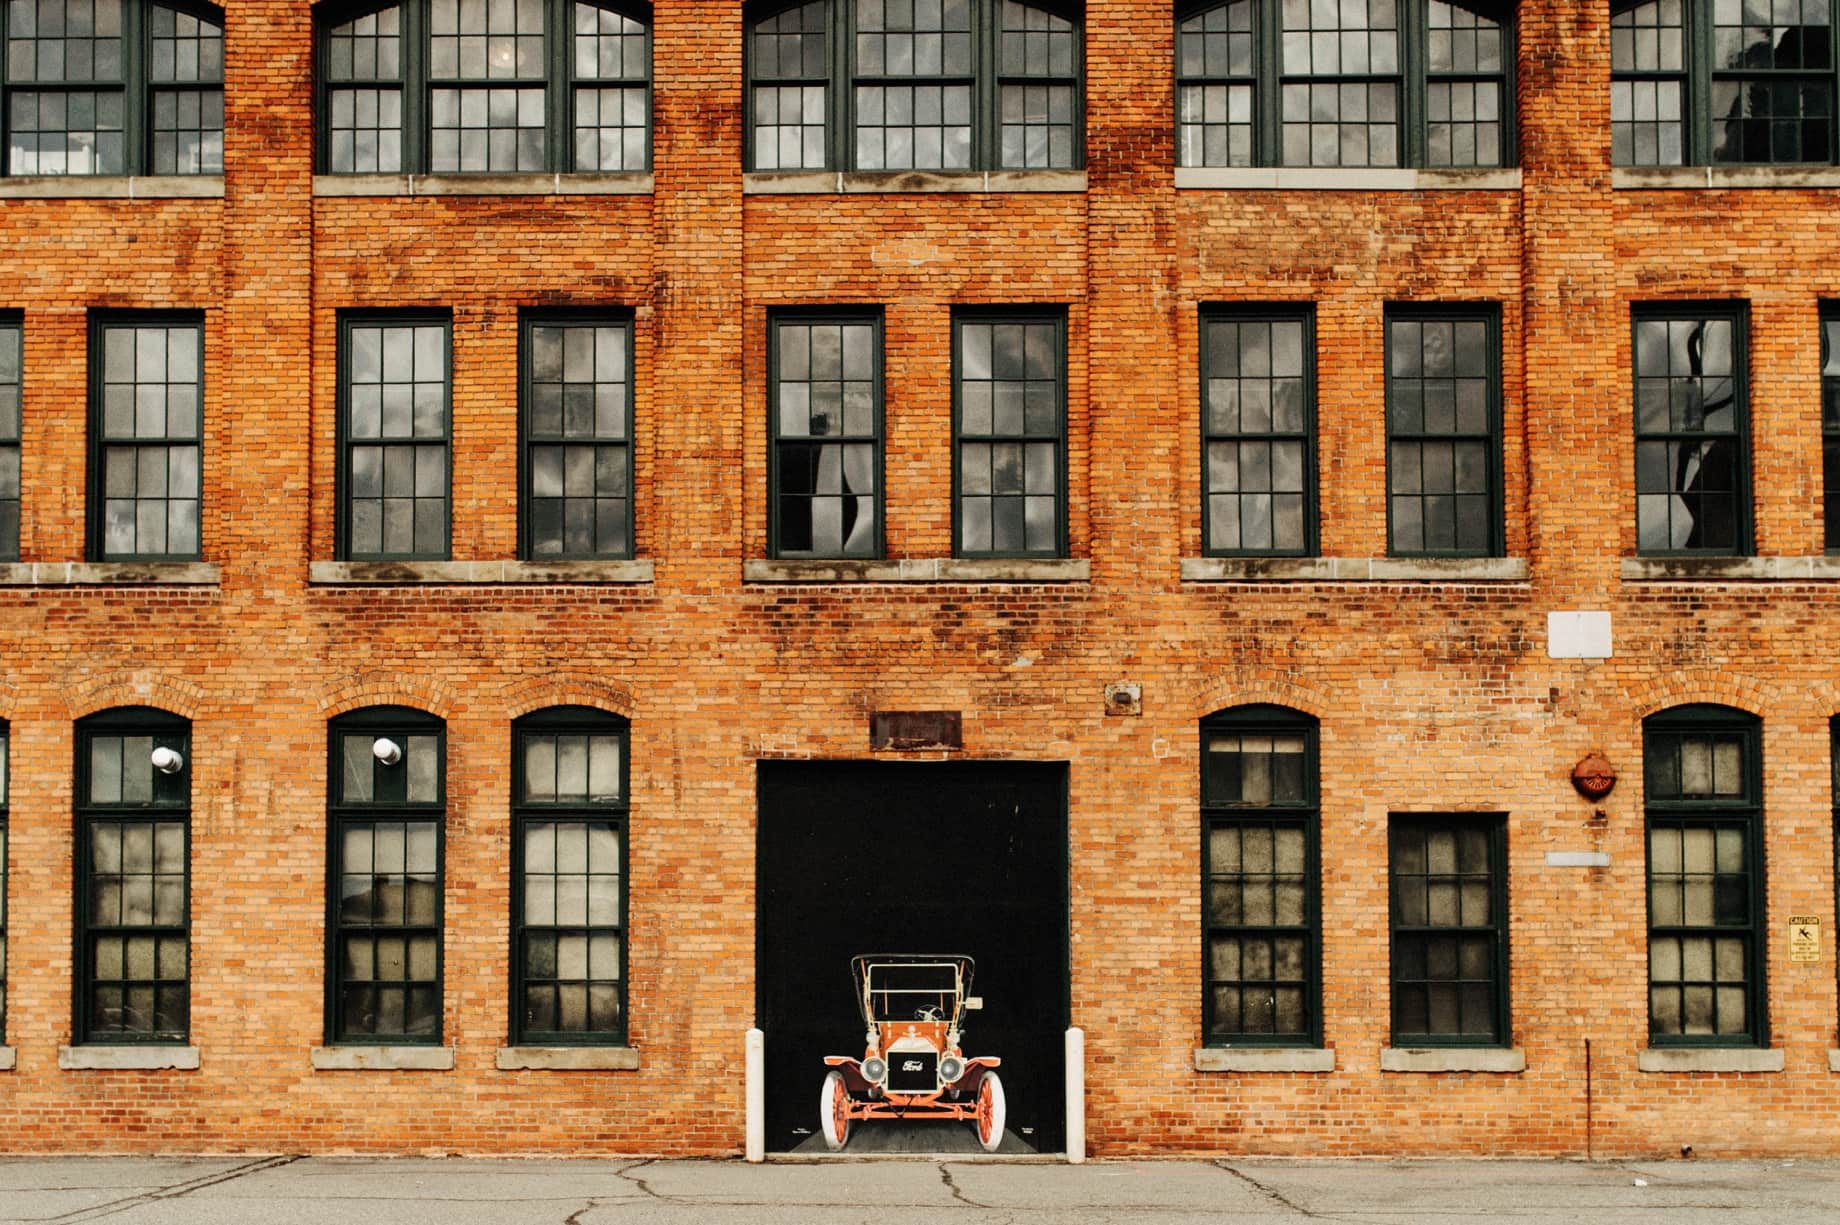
<point>928,1013</point>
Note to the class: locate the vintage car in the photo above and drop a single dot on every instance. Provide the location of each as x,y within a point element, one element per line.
<point>912,1068</point>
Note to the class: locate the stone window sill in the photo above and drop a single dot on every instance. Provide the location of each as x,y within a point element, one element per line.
<point>568,1059</point>
<point>1354,569</point>
<point>1720,178</point>
<point>113,187</point>
<point>1264,1059</point>
<point>1709,1059</point>
<point>383,1059</point>
<point>1308,178</point>
<point>109,573</point>
<point>917,182</point>
<point>1833,1061</point>
<point>920,570</point>
<point>8,1058</point>
<point>125,1057</point>
<point>625,183</point>
<point>1731,569</point>
<point>1453,1059</point>
<point>372,573</point>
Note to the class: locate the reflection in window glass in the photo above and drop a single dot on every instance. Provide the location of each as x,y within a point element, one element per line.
<point>1011,422</point>
<point>578,449</point>
<point>1692,464</point>
<point>12,389</point>
<point>149,391</point>
<point>396,432</point>
<point>826,422</point>
<point>1449,929</point>
<point>1258,425</point>
<point>1443,449</point>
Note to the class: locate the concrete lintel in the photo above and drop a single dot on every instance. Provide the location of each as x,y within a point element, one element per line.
<point>109,573</point>
<point>918,570</point>
<point>8,1058</point>
<point>1354,569</point>
<point>1676,178</point>
<point>1302,178</point>
<point>1731,569</point>
<point>383,1058</point>
<point>568,1059</point>
<point>373,573</point>
<point>1453,1059</point>
<point>1833,1061</point>
<point>622,183</point>
<point>909,182</point>
<point>127,1057</point>
<point>113,187</point>
<point>1709,1059</point>
<point>1264,1059</point>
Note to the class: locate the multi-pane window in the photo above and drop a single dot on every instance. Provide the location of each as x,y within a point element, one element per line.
<point>914,85</point>
<point>384,914</point>
<point>1692,432</point>
<point>394,427</point>
<point>568,900</point>
<point>114,87</point>
<point>1258,397</point>
<point>1830,425</point>
<point>486,86</point>
<point>1259,872</point>
<point>5,770</point>
<point>1450,930</point>
<point>1368,83</point>
<point>12,389</point>
<point>132,898</point>
<point>825,413</point>
<point>147,392</point>
<point>1443,429</point>
<point>1703,771</point>
<point>1010,422</point>
<point>577,437</point>
<point>1697,82</point>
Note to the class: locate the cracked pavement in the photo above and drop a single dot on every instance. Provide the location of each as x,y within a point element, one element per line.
<point>292,1190</point>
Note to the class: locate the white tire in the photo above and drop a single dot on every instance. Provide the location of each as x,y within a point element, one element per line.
<point>834,1111</point>
<point>992,1112</point>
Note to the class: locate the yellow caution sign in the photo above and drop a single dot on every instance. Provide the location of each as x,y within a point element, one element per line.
<point>1804,937</point>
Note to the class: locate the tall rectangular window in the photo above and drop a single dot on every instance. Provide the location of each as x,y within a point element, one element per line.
<point>1443,429</point>
<point>12,390</point>
<point>577,437</point>
<point>1830,423</point>
<point>132,879</point>
<point>568,901</point>
<point>825,409</point>
<point>384,923</point>
<point>1259,816</point>
<point>395,395</point>
<point>5,770</point>
<point>1702,767</point>
<point>1010,426</point>
<point>1450,930</point>
<point>146,402</point>
<point>1692,429</point>
<point>1258,400</point>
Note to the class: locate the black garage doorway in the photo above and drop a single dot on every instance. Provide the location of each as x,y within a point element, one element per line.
<point>922,857</point>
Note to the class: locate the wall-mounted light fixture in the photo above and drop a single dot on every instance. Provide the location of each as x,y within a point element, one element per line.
<point>167,761</point>
<point>386,750</point>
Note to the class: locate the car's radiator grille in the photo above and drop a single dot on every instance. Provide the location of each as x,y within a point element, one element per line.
<point>913,1071</point>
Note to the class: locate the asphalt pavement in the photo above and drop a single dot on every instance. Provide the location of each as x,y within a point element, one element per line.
<point>940,1190</point>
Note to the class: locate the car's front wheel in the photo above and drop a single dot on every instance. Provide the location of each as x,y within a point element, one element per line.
<point>834,1111</point>
<point>992,1112</point>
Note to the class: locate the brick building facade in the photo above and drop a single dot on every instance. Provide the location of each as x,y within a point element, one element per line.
<point>1361,683</point>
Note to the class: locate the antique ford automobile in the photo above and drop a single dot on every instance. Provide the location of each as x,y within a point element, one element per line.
<point>912,1067</point>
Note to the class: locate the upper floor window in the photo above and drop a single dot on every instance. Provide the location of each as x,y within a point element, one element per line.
<point>146,436</point>
<point>1355,83</point>
<point>5,768</point>
<point>914,85</point>
<point>485,86</point>
<point>1011,424</point>
<point>1443,431</point>
<point>1692,429</point>
<point>394,400</point>
<point>1697,82</point>
<point>114,87</point>
<point>12,390</point>
<point>1258,414</point>
<point>577,396</point>
<point>824,407</point>
<point>1830,423</point>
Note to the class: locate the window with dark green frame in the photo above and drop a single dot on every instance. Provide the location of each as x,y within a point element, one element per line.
<point>1703,770</point>
<point>1692,429</point>
<point>133,827</point>
<point>1258,424</point>
<point>914,85</point>
<point>6,767</point>
<point>146,430</point>
<point>1449,876</point>
<point>1009,423</point>
<point>1443,429</point>
<point>577,436</point>
<point>1708,82</point>
<point>485,86</point>
<point>98,87</point>
<point>1262,959</point>
<point>12,392</point>
<point>387,834</point>
<point>1830,424</point>
<point>395,388</point>
<point>824,410</point>
<point>568,903</point>
<point>1385,83</point>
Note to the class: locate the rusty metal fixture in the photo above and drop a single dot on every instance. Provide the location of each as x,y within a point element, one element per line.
<point>1594,777</point>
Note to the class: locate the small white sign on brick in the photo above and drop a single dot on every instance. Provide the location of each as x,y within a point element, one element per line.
<point>1578,635</point>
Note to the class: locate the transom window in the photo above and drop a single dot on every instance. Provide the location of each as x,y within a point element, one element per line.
<point>1344,83</point>
<point>1692,429</point>
<point>1450,930</point>
<point>1696,82</point>
<point>486,86</point>
<point>1258,413</point>
<point>1011,422</point>
<point>577,437</point>
<point>147,393</point>
<point>394,430</point>
<point>1443,427</point>
<point>914,85</point>
<point>825,413</point>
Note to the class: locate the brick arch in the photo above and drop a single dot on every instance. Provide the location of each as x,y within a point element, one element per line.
<point>1701,685</point>
<point>380,688</point>
<point>534,693</point>
<point>1251,686</point>
<point>116,689</point>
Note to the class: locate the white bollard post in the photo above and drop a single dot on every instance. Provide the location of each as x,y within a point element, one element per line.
<point>1076,1096</point>
<point>756,1095</point>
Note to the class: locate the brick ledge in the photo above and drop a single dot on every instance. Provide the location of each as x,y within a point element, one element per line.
<point>568,1059</point>
<point>1354,569</point>
<point>109,573</point>
<point>919,570</point>
<point>371,573</point>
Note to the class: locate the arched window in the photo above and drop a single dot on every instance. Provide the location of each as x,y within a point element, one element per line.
<point>914,85</point>
<point>1359,83</point>
<point>114,87</point>
<point>485,86</point>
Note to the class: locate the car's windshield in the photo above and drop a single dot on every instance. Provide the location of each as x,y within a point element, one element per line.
<point>909,991</point>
